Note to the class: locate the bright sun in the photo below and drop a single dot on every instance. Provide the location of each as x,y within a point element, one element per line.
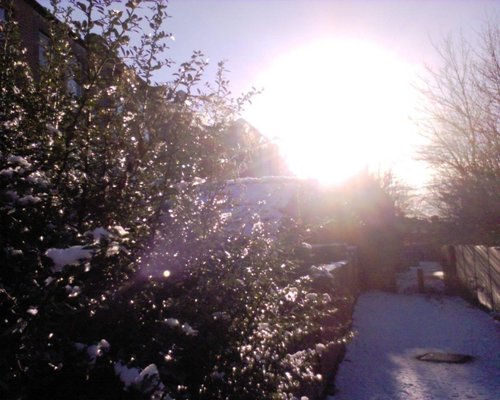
<point>336,107</point>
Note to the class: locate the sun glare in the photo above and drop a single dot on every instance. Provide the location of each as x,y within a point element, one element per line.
<point>336,107</point>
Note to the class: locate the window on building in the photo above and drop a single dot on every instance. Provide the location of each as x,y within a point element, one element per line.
<point>43,48</point>
<point>72,84</point>
<point>3,18</point>
<point>120,107</point>
<point>74,88</point>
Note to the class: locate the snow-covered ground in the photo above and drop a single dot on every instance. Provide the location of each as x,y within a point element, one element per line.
<point>392,329</point>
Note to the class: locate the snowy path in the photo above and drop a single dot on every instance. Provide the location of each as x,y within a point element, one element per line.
<point>392,329</point>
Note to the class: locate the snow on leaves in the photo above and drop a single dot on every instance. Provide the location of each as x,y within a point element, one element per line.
<point>69,256</point>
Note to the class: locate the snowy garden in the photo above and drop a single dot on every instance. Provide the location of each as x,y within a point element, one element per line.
<point>393,329</point>
<point>142,257</point>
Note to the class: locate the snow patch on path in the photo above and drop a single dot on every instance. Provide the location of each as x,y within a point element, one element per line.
<point>392,329</point>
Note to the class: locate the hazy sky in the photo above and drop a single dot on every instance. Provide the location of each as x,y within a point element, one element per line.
<point>252,33</point>
<point>338,76</point>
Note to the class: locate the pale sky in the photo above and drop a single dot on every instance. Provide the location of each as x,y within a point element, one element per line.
<point>252,33</point>
<point>338,76</point>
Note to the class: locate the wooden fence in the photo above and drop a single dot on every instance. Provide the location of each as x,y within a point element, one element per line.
<point>477,268</point>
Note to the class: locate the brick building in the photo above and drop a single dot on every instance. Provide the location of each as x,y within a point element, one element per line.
<point>34,28</point>
<point>34,25</point>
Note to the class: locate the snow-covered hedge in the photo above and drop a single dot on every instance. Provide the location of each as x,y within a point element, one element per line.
<point>119,279</point>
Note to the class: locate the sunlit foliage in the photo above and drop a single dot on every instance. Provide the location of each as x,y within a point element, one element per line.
<point>117,259</point>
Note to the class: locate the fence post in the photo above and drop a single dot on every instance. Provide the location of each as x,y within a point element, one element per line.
<point>420,279</point>
<point>492,296</point>
<point>451,275</point>
<point>474,266</point>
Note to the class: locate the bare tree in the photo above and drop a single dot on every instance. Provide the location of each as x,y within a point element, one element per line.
<point>461,124</point>
<point>401,194</point>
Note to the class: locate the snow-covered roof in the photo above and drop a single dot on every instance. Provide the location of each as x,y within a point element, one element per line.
<point>270,200</point>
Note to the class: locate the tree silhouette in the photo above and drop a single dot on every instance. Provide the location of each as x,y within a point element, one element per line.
<point>461,123</point>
